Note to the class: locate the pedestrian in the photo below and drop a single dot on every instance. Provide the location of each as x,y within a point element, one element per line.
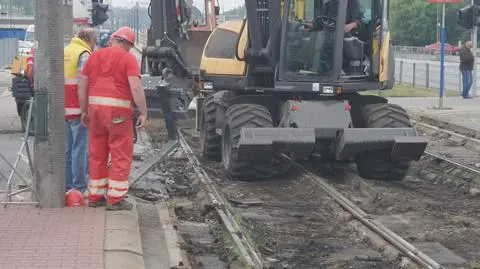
<point>467,60</point>
<point>109,88</point>
<point>76,54</point>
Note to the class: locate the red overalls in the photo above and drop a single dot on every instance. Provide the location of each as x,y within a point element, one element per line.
<point>110,113</point>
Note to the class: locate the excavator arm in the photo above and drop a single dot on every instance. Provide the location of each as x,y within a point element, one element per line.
<point>170,61</point>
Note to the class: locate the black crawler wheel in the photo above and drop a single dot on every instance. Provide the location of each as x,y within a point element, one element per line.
<point>238,116</point>
<point>210,141</point>
<point>376,164</point>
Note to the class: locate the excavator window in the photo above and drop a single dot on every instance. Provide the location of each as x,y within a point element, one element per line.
<point>309,43</point>
<point>222,44</point>
<point>310,38</point>
<point>197,12</point>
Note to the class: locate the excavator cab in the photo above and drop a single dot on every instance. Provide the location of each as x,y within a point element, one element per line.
<point>317,46</point>
<point>306,41</point>
<point>294,43</point>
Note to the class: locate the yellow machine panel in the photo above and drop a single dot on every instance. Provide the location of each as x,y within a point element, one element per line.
<point>218,56</point>
<point>384,57</point>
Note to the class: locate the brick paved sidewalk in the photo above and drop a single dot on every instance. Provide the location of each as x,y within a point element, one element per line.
<point>51,238</point>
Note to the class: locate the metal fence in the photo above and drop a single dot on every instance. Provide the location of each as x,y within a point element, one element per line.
<point>426,74</point>
<point>8,50</point>
<point>420,53</point>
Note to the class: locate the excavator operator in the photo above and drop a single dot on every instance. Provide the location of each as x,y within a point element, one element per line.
<point>353,19</point>
<point>324,43</point>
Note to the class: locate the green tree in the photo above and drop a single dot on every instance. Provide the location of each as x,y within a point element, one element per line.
<point>413,23</point>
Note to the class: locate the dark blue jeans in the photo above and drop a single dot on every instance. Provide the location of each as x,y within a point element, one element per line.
<point>76,151</point>
<point>467,80</point>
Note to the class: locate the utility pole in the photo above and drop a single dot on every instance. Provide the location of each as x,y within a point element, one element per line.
<point>49,178</point>
<point>10,11</point>
<point>442,59</point>
<point>438,24</point>
<point>474,52</point>
<point>137,26</point>
<point>68,13</point>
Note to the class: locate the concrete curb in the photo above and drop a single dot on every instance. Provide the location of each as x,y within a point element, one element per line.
<point>123,243</point>
<point>175,257</point>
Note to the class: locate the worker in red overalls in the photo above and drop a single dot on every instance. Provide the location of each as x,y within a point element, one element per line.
<point>111,80</point>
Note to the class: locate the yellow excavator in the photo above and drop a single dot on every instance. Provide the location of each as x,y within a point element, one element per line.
<point>288,79</point>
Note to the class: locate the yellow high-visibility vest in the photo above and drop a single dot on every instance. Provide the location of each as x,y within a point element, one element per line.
<point>72,54</point>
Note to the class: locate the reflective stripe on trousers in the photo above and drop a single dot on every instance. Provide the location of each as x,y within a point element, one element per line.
<point>114,189</point>
<point>97,188</point>
<point>117,189</point>
<point>109,101</point>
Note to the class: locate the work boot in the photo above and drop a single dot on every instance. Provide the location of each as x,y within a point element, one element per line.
<point>122,205</point>
<point>100,203</point>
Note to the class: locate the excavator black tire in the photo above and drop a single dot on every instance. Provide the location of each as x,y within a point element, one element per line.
<point>250,116</point>
<point>377,164</point>
<point>210,141</point>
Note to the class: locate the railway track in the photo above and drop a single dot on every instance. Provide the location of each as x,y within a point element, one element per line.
<point>451,161</point>
<point>421,222</point>
<point>400,244</point>
<point>250,256</point>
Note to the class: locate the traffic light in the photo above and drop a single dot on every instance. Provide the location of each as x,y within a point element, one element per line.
<point>99,12</point>
<point>465,17</point>
<point>469,16</point>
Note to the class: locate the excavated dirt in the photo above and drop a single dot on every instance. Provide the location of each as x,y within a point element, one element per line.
<point>437,203</point>
<point>425,207</point>
<point>293,223</point>
<point>204,239</point>
<point>436,208</point>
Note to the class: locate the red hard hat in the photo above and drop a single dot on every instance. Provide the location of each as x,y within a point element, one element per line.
<point>125,33</point>
<point>74,198</point>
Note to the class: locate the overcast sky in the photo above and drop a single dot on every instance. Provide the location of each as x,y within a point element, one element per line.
<point>224,4</point>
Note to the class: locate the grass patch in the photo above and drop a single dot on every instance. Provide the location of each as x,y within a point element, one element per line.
<point>408,91</point>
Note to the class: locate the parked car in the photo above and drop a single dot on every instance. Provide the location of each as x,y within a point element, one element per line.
<point>435,49</point>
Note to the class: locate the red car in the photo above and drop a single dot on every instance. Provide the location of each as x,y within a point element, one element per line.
<point>435,49</point>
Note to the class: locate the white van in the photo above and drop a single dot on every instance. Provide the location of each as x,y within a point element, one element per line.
<point>27,43</point>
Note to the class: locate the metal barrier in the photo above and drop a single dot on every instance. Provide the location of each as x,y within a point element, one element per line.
<point>426,74</point>
<point>420,53</point>
<point>8,50</point>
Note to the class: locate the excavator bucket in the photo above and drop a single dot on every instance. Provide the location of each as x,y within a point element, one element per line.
<point>192,49</point>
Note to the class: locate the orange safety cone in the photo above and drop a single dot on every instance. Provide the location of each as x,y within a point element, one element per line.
<point>74,198</point>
